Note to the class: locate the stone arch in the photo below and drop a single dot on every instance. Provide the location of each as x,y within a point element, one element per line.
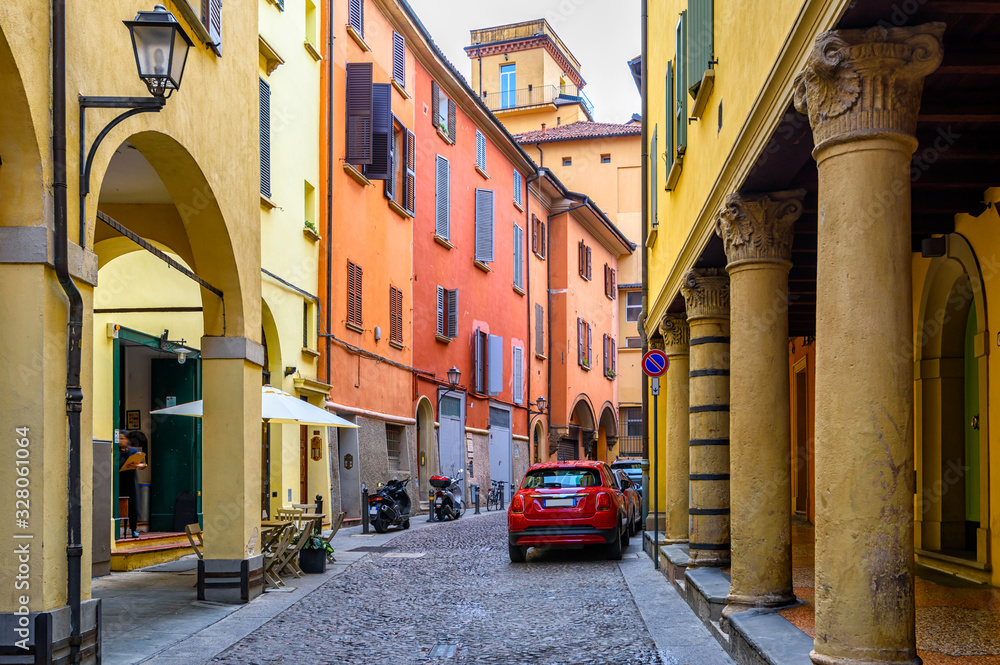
<point>23,197</point>
<point>951,394</point>
<point>539,447</point>
<point>583,427</point>
<point>607,432</point>
<point>272,346</point>
<point>427,453</point>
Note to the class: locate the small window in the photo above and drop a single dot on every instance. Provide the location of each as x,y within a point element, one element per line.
<point>605,159</point>
<point>584,342</point>
<point>447,312</point>
<point>567,161</point>
<point>632,417</point>
<point>633,305</point>
<point>633,342</point>
<point>538,237</point>
<point>394,446</point>
<point>354,294</point>
<point>443,112</point>
<point>584,259</point>
<point>395,315</point>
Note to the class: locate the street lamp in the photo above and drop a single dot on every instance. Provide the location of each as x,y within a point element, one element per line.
<point>454,376</point>
<point>541,403</point>
<point>160,46</point>
<point>161,49</point>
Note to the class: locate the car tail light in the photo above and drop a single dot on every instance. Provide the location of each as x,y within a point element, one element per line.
<point>517,505</point>
<point>604,501</point>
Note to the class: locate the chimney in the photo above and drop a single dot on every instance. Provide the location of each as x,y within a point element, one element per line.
<point>543,129</point>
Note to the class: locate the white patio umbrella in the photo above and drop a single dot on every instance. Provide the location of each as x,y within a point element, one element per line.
<point>276,406</point>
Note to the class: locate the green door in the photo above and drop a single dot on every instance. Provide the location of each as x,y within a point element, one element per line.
<point>175,459</point>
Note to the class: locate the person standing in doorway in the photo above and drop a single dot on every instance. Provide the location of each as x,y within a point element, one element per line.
<point>128,484</point>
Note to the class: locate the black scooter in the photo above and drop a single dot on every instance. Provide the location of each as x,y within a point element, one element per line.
<point>390,506</point>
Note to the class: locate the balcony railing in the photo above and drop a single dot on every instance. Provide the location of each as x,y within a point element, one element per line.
<point>630,446</point>
<point>534,96</point>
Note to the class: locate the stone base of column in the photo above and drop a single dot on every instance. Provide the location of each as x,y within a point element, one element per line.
<point>708,559</point>
<point>231,580</point>
<point>737,603</point>
<point>43,637</point>
<point>651,523</point>
<point>819,659</point>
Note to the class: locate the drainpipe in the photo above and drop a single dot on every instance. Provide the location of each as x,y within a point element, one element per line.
<point>541,157</point>
<point>645,230</point>
<point>74,392</point>
<point>531,349</point>
<point>329,182</point>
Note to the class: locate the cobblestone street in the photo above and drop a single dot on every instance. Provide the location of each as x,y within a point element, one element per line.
<point>448,593</point>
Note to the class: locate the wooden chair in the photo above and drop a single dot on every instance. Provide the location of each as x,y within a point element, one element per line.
<point>277,546</point>
<point>290,558</point>
<point>290,515</point>
<point>305,507</point>
<point>197,539</point>
<point>334,528</point>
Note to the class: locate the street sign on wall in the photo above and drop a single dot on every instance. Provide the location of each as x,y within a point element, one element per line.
<point>654,363</point>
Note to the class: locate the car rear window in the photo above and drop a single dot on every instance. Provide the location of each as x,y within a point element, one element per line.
<point>561,478</point>
<point>627,465</point>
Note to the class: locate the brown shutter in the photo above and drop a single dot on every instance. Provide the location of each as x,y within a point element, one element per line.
<point>381,161</point>
<point>590,347</point>
<point>543,239</point>
<point>534,234</point>
<point>588,263</point>
<point>357,296</point>
<point>614,356</point>
<point>351,286</point>
<point>607,280</point>
<point>359,113</point>
<point>614,284</point>
<point>579,341</point>
<point>435,103</point>
<point>580,258</point>
<point>211,18</point>
<point>607,350</point>
<point>452,116</point>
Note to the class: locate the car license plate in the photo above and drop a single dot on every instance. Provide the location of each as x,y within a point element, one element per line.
<point>559,503</point>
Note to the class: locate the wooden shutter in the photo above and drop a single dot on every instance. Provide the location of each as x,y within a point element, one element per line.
<point>534,234</point>
<point>359,113</point>
<point>479,361</point>
<point>654,158</point>
<point>395,315</point>
<point>539,329</point>
<point>580,341</point>
<point>399,59</point>
<point>607,353</point>
<point>381,162</point>
<point>590,346</point>
<point>443,214</point>
<point>614,356</point>
<point>517,188</point>
<point>453,313</point>
<point>356,15</point>
<point>410,172</point>
<point>480,150</point>
<point>607,281</point>
<point>353,293</point>
<point>494,361</point>
<point>589,275</point>
<point>390,183</point>
<point>265,138</point>
<point>680,80</point>
<point>581,258</point>
<point>518,374</point>
<point>435,104</point>
<point>441,311</point>
<point>701,43</point>
<point>211,18</point>
<point>542,238</point>
<point>452,117</point>
<point>518,257</point>
<point>668,128</point>
<point>484,225</point>
<point>614,284</point>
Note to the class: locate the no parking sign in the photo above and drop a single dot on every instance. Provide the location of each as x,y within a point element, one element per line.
<point>654,363</point>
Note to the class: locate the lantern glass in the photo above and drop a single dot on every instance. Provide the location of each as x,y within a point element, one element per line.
<point>541,403</point>
<point>454,376</point>
<point>161,49</point>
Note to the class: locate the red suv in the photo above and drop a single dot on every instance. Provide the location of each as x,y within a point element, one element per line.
<point>562,504</point>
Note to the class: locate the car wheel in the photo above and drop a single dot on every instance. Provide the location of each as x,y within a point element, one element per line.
<point>517,553</point>
<point>614,548</point>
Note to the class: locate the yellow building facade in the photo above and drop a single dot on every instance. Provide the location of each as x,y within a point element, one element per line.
<point>201,208</point>
<point>812,189</point>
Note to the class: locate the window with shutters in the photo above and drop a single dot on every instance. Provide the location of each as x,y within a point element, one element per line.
<point>211,19</point>
<point>395,316</point>
<point>484,226</point>
<point>668,127</point>
<point>354,319</point>
<point>584,344</point>
<point>481,350</point>
<point>610,357</point>
<point>680,84</point>
<point>610,283</point>
<point>517,374</point>
<point>442,225</point>
<point>633,305</point>
<point>701,43</point>
<point>265,139</point>
<point>356,16</point>
<point>402,162</point>
<point>360,102</point>
<point>393,187</point>
<point>481,153</point>
<point>585,260</point>
<point>653,182</point>
<point>380,166</point>
<point>539,331</point>
<point>399,59</point>
<point>518,258</point>
<point>443,113</point>
<point>518,193</point>
<point>447,314</point>
<point>538,237</point>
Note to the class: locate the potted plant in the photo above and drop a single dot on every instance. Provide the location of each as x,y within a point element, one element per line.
<point>611,374</point>
<point>310,230</point>
<point>312,556</point>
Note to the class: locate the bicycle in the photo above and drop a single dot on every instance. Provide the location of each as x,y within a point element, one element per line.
<point>494,497</point>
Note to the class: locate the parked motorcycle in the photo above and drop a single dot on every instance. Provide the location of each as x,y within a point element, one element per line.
<point>390,506</point>
<point>449,498</point>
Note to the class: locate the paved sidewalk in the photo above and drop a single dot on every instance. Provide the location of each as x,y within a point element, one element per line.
<point>152,616</point>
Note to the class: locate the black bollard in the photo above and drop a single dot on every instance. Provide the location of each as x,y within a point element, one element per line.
<point>503,488</point>
<point>430,506</point>
<point>364,509</point>
<point>319,505</point>
<point>475,493</point>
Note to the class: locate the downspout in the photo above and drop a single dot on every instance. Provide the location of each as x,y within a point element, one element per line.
<point>329,183</point>
<point>530,351</point>
<point>74,392</point>
<point>644,73</point>
<point>541,157</point>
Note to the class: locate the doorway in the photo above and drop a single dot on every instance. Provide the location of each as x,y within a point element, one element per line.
<point>350,470</point>
<point>800,488</point>
<point>451,436</point>
<point>501,445</point>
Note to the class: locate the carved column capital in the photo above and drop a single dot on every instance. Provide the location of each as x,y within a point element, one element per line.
<point>859,82</point>
<point>676,334</point>
<point>706,293</point>
<point>758,227</point>
<point>656,343</point>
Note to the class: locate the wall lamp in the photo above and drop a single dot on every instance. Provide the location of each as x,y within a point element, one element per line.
<point>541,403</point>
<point>454,376</point>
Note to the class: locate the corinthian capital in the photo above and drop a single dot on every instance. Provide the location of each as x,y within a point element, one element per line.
<point>861,81</point>
<point>758,227</point>
<point>706,293</point>
<point>676,334</point>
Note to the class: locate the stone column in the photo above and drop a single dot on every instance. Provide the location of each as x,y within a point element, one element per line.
<point>706,294</point>
<point>676,334</point>
<point>757,232</point>
<point>861,89</point>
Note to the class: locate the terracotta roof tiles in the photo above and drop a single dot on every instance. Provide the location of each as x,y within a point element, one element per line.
<point>578,130</point>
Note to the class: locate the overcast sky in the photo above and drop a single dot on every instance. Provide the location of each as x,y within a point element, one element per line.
<point>602,34</point>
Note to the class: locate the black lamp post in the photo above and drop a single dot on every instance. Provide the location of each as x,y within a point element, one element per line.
<point>160,46</point>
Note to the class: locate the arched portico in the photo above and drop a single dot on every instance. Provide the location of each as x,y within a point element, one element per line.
<point>607,433</point>
<point>952,435</point>
<point>427,453</point>
<point>582,435</point>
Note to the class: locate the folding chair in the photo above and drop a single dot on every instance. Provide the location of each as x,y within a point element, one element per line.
<point>289,559</point>
<point>277,545</point>
<point>289,515</point>
<point>334,528</point>
<point>197,538</point>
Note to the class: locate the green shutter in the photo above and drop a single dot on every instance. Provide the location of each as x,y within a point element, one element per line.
<point>680,87</point>
<point>701,42</point>
<point>668,128</point>
<point>654,157</point>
